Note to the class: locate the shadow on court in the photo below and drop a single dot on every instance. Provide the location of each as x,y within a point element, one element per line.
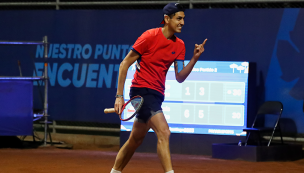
<point>101,160</point>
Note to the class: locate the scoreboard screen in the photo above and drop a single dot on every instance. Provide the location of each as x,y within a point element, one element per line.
<point>212,100</point>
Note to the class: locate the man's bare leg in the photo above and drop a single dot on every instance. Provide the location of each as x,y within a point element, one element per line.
<point>124,155</point>
<point>160,126</point>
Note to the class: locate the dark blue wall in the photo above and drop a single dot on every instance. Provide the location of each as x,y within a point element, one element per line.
<point>87,47</point>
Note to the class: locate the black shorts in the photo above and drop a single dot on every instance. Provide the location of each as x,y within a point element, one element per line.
<point>152,103</point>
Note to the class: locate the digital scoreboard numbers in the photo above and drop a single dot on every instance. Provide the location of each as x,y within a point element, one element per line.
<point>208,114</point>
<point>212,100</point>
<point>205,91</point>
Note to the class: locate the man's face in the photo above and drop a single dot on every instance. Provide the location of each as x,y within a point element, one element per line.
<point>177,22</point>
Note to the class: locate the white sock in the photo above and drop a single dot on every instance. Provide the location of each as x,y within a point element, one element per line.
<point>170,171</point>
<point>114,171</point>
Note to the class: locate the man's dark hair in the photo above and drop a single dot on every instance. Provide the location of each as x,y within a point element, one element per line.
<point>171,15</point>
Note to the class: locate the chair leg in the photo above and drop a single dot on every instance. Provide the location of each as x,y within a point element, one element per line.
<point>50,138</point>
<point>280,133</point>
<point>50,135</point>
<point>271,137</point>
<point>247,138</point>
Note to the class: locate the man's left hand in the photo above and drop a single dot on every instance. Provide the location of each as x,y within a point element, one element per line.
<point>199,49</point>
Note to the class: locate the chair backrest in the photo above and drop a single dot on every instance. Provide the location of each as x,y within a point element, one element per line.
<point>268,108</point>
<point>271,107</point>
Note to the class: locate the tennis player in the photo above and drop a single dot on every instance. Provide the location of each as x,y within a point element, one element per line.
<point>154,52</point>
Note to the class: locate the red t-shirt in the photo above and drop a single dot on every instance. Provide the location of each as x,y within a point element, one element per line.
<point>157,54</point>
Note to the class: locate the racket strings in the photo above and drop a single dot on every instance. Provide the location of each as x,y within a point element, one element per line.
<point>136,103</point>
<point>132,107</point>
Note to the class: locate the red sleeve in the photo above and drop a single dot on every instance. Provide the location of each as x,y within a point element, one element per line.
<point>182,54</point>
<point>141,44</point>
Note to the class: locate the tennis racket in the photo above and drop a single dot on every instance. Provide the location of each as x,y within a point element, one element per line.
<point>129,109</point>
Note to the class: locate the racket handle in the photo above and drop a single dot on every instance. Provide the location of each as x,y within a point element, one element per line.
<point>109,110</point>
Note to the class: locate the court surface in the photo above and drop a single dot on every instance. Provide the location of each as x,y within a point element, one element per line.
<point>54,160</point>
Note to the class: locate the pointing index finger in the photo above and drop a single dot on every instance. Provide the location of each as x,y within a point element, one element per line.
<point>204,42</point>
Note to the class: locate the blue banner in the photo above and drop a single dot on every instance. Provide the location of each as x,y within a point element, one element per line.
<point>86,48</point>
